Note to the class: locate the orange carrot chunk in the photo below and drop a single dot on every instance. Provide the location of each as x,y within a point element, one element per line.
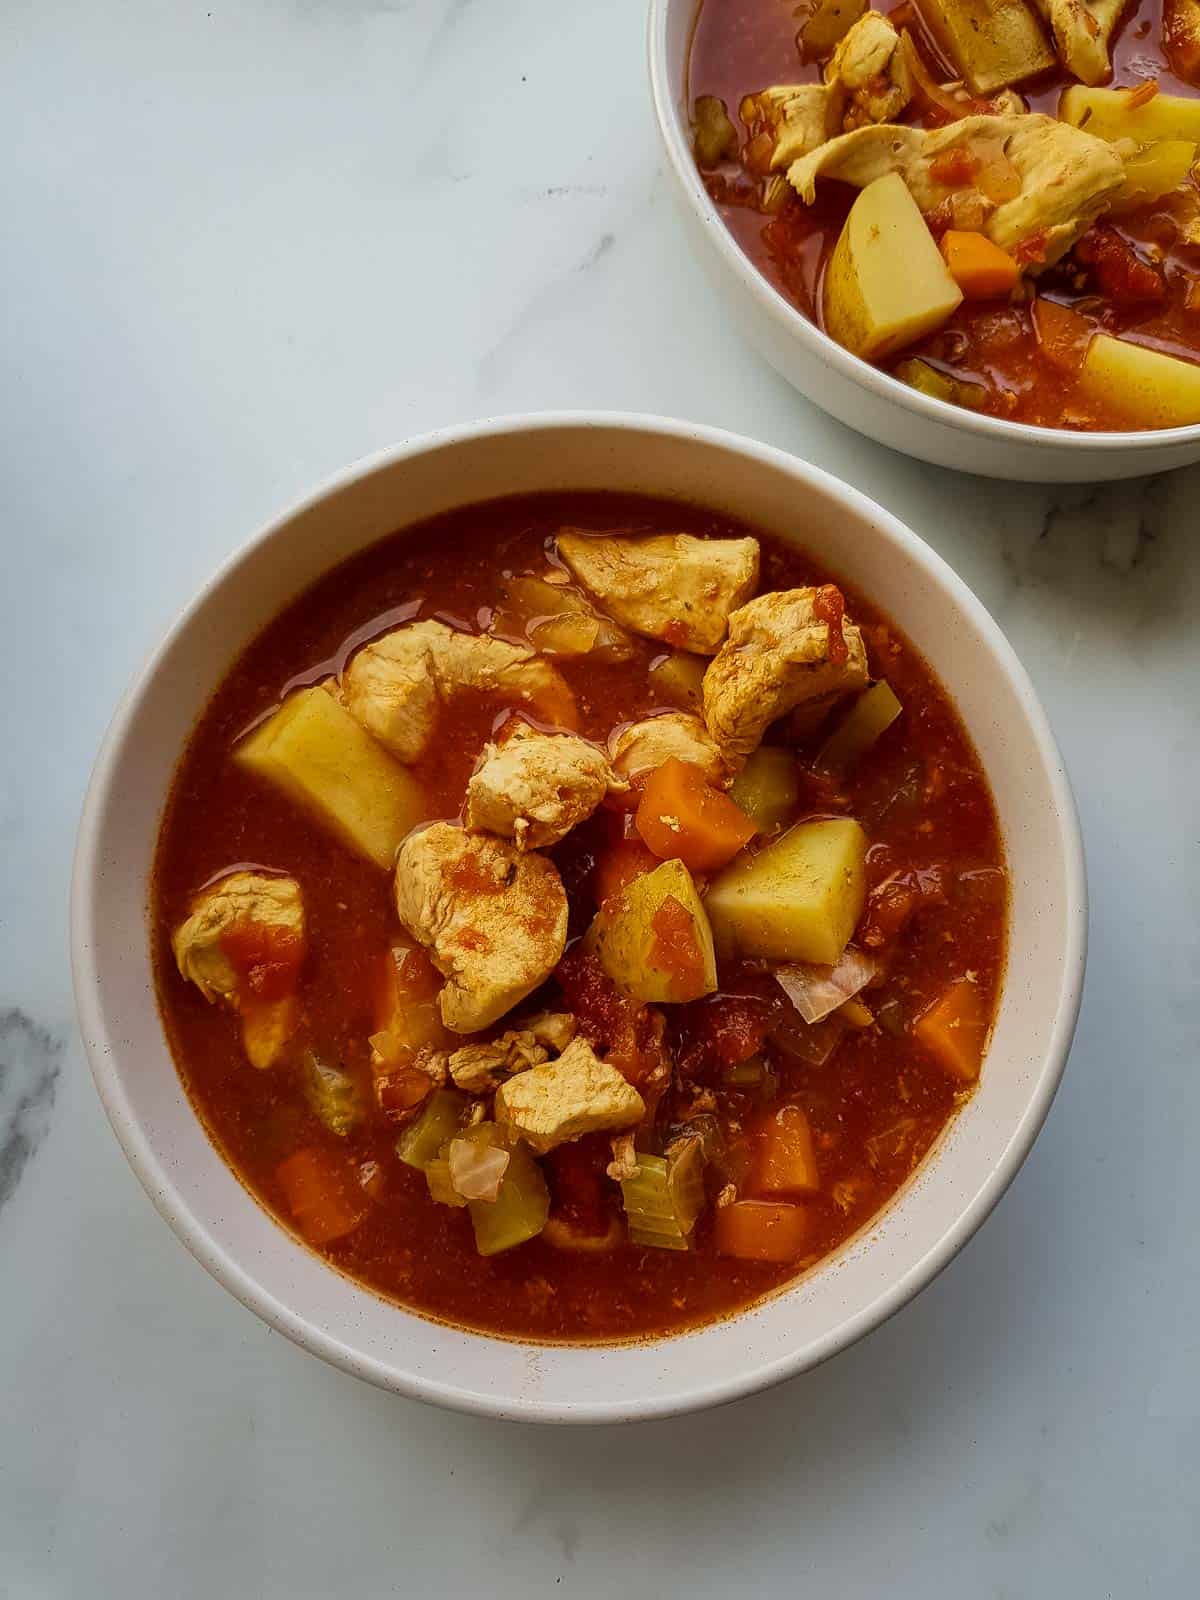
<point>762,1230</point>
<point>1062,334</point>
<point>683,817</point>
<point>980,268</point>
<point>954,1030</point>
<point>785,1163</point>
<point>320,1196</point>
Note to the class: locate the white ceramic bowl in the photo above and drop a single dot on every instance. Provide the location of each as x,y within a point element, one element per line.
<point>877,1272</point>
<point>850,389</point>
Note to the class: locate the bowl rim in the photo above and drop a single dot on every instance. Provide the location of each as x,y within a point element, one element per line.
<point>101,1044</point>
<point>791,322</point>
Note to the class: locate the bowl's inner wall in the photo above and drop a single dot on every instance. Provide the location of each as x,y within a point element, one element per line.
<point>257,1259</point>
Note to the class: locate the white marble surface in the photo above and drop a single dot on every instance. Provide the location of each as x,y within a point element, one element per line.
<point>243,245</point>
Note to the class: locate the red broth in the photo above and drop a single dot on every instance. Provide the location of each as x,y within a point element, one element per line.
<point>874,1107</point>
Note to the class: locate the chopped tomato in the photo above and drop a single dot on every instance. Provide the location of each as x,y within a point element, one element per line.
<point>620,865</point>
<point>955,167</point>
<point>320,1195</point>
<point>674,950</point>
<point>1119,272</point>
<point>829,607</point>
<point>630,1033</point>
<point>762,1230</point>
<point>266,957</point>
<point>399,1093</point>
<point>683,817</point>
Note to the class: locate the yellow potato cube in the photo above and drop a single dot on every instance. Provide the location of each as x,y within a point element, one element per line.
<point>886,285</point>
<point>1107,114</point>
<point>1149,389</point>
<point>628,943</point>
<point>313,750</point>
<point>797,900</point>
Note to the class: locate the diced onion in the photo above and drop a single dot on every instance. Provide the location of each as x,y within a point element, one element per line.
<point>477,1170</point>
<point>816,991</point>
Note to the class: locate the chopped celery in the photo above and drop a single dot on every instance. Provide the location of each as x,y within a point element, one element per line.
<point>437,1176</point>
<point>422,1141</point>
<point>520,1210</point>
<point>767,788</point>
<point>665,1196</point>
<point>871,715</point>
<point>857,1014</point>
<point>334,1096</point>
<point>939,385</point>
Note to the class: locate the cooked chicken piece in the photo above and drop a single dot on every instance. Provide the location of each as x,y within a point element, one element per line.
<point>480,1068</point>
<point>244,943</point>
<point>577,1094</point>
<point>669,586</point>
<point>642,746</point>
<point>1066,176</point>
<point>778,655</point>
<point>873,70</point>
<point>786,121</point>
<point>554,1029</point>
<point>493,919</point>
<point>624,1163</point>
<point>1082,30</point>
<point>395,685</point>
<point>535,787</point>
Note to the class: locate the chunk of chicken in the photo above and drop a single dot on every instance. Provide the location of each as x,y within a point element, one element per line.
<point>872,69</point>
<point>244,944</point>
<point>395,686</point>
<point>788,120</point>
<point>1082,32</point>
<point>669,586</point>
<point>535,787</point>
<point>480,1068</point>
<point>624,1163</point>
<point>1066,177</point>
<point>642,746</point>
<point>577,1094</point>
<point>494,919</point>
<point>779,654</point>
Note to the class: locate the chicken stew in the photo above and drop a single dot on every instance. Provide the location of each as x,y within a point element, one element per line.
<point>578,915</point>
<point>994,200</point>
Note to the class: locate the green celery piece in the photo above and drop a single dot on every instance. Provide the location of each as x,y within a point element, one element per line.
<point>334,1096</point>
<point>437,1176</point>
<point>422,1141</point>
<point>665,1196</point>
<point>520,1210</point>
<point>870,716</point>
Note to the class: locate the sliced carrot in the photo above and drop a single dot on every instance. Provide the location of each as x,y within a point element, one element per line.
<point>620,865</point>
<point>954,1030</point>
<point>320,1196</point>
<point>1062,334</point>
<point>980,268</point>
<point>785,1163</point>
<point>682,817</point>
<point>762,1230</point>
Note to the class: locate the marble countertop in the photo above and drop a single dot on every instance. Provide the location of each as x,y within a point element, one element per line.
<point>243,246</point>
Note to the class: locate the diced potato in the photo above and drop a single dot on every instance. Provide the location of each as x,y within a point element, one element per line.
<point>871,715</point>
<point>872,307</point>
<point>797,900</point>
<point>1149,389</point>
<point>993,43</point>
<point>314,751</point>
<point>520,1210</point>
<point>629,946</point>
<point>558,621</point>
<point>1153,171</point>
<point>827,25</point>
<point>767,788</point>
<point>1108,114</point>
<point>678,677</point>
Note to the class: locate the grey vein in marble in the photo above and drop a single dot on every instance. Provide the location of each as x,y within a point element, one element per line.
<point>30,1061</point>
